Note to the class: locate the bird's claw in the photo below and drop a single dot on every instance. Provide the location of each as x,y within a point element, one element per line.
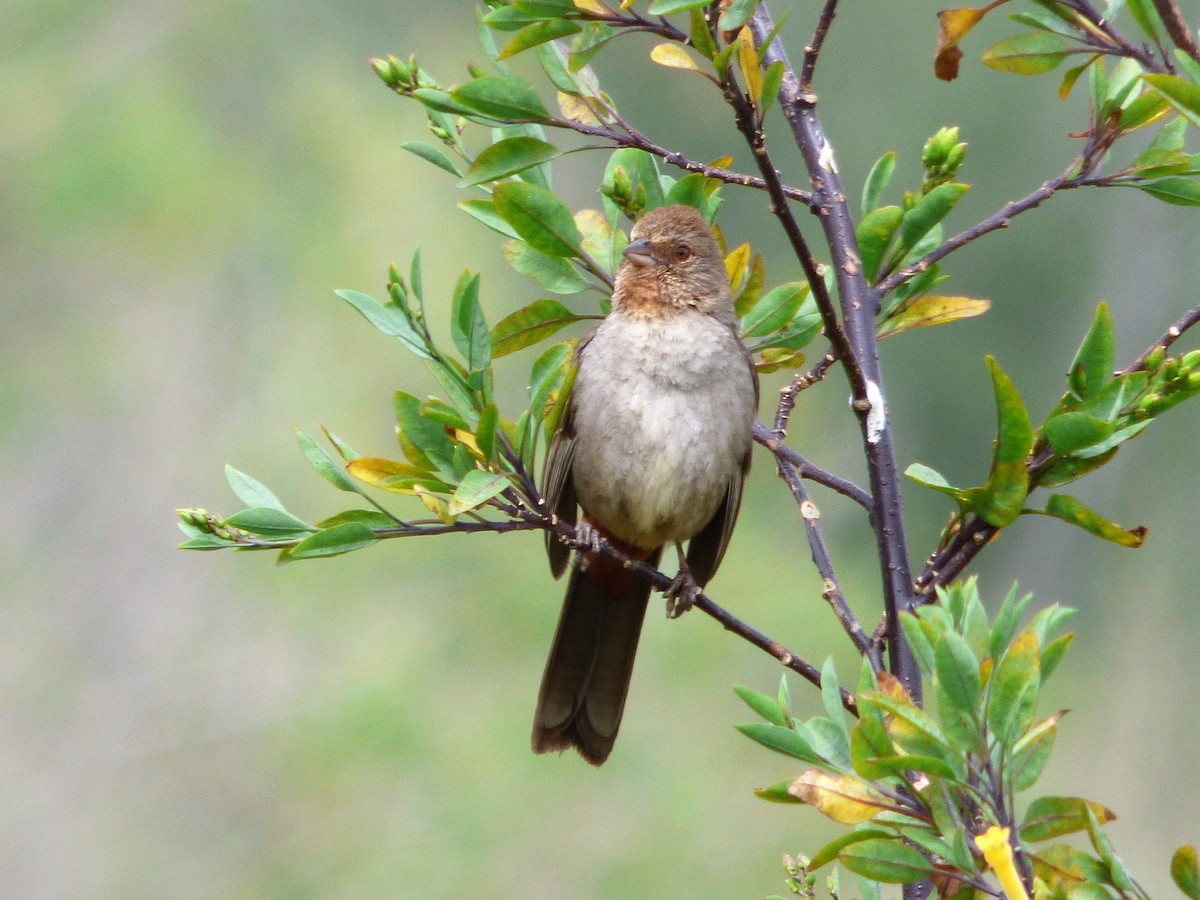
<point>681,594</point>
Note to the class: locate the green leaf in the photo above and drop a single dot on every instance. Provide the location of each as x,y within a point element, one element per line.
<point>774,309</point>
<point>772,81</point>
<point>269,521</point>
<point>1093,362</point>
<point>1027,54</point>
<point>877,181</point>
<point>1051,817</point>
<point>508,157</point>
<point>500,97</point>
<point>931,478</point>
<point>777,793</point>
<point>1185,871</point>
<point>1147,18</point>
<point>781,740</point>
<point>957,671</point>
<point>1012,610</point>
<point>539,217</point>
<point>1000,501</point>
<point>1071,431</point>
<point>928,212</point>
<point>372,518</point>
<point>870,744</point>
<point>690,190</point>
<point>388,319</point>
<point>325,465</point>
<point>887,860</point>
<point>538,33</point>
<point>547,376</point>
<point>485,211</point>
<point>642,171</point>
<point>874,234</point>
<point>667,7</point>
<point>1054,653</point>
<point>1067,508</point>
<point>553,273</point>
<point>1030,753</point>
<point>736,14</point>
<point>468,329</point>
<point>702,39</point>
<point>331,542</point>
<point>830,851</point>
<point>912,727</point>
<point>1176,190</point>
<point>476,489</point>
<point>431,154</point>
<point>251,491</point>
<point>1012,689</point>
<point>1180,93</point>
<point>428,445</point>
<point>831,699</point>
<point>765,706</point>
<point>530,325</point>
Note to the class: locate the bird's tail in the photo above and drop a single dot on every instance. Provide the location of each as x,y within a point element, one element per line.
<point>587,675</point>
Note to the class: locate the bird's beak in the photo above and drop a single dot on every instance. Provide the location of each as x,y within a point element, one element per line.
<point>640,254</point>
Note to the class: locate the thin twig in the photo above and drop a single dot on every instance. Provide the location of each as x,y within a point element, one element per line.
<point>1170,336</point>
<point>808,470</point>
<point>813,50</point>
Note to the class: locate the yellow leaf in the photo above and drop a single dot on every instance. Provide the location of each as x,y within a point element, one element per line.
<point>592,6</point>
<point>933,310</point>
<point>596,232</point>
<point>468,440</point>
<point>673,57</point>
<point>575,109</point>
<point>892,686</point>
<point>378,472</point>
<point>843,798</point>
<point>953,25</point>
<point>748,63</point>
<point>735,266</point>
<point>434,504</point>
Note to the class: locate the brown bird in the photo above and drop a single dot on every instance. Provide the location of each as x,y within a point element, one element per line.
<point>654,447</point>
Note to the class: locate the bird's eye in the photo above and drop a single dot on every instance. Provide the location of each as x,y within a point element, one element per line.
<point>682,252</point>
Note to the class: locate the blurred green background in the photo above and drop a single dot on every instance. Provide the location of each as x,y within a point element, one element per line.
<point>184,184</point>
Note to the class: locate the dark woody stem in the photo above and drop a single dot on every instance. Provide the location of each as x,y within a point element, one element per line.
<point>857,305</point>
<point>1177,27</point>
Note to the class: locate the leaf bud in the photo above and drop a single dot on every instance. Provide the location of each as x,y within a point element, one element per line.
<point>385,73</point>
<point>1150,402</point>
<point>1170,368</point>
<point>1193,381</point>
<point>402,72</point>
<point>1155,360</point>
<point>1191,360</point>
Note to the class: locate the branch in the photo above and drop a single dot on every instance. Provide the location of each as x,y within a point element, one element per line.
<point>858,304</point>
<point>805,469</point>
<point>813,50</point>
<point>1177,27</point>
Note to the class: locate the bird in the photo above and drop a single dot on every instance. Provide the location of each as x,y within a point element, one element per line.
<point>654,447</point>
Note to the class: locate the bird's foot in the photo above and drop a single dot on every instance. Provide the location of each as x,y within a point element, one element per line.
<point>681,594</point>
<point>587,542</point>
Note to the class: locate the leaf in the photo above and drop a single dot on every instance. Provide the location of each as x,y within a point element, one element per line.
<point>869,745</point>
<point>551,272</point>
<point>673,56</point>
<point>957,670</point>
<point>538,33</point>
<point>1072,431</point>
<point>748,63</point>
<point>772,81</point>
<point>1000,501</point>
<point>269,521</point>
<point>911,727</point>
<point>1051,817</point>
<point>923,312</point>
<point>928,212</point>
<point>735,14</point>
<point>500,97</point>
<point>781,740</point>
<point>888,861</point>
<point>428,446</point>
<point>774,309</point>
<point>387,319</point>
<point>508,157</point>
<point>1185,871</point>
<point>389,475</point>
<point>667,7</point>
<point>530,325</point>
<point>877,181</point>
<point>765,706</point>
<point>691,190</point>
<point>468,329</point>
<point>325,465</point>
<point>1027,54</point>
<point>1093,362</point>
<point>1067,508</point>
<point>484,211</point>
<point>931,478</point>
<point>1012,688</point>
<point>431,154</point>
<point>1030,753</point>
<point>331,542</point>
<point>874,234</point>
<point>476,489</point>
<point>776,793</point>
<point>953,26</point>
<point>539,217</point>
<point>251,491</point>
<point>1180,93</point>
<point>1177,190</point>
<point>845,799</point>
<point>829,852</point>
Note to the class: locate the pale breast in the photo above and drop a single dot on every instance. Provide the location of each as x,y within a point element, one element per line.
<point>663,410</point>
